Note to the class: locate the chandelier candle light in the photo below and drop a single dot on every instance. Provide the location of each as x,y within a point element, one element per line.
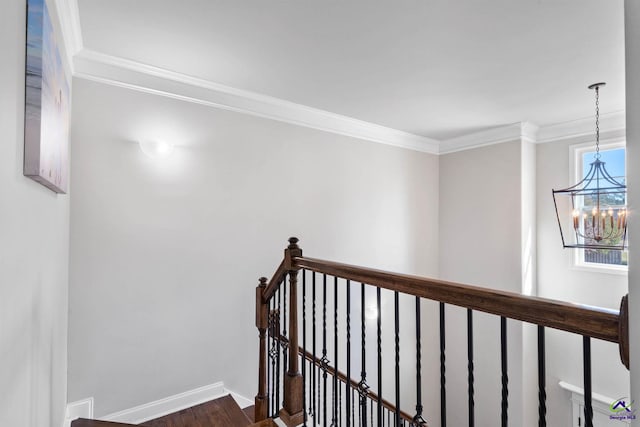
<point>593,214</point>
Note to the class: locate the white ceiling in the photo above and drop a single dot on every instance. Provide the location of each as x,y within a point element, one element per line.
<point>437,68</point>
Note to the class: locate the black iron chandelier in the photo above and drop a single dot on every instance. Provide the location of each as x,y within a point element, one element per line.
<point>593,214</point>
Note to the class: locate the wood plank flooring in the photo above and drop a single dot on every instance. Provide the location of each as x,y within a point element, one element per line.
<point>222,412</point>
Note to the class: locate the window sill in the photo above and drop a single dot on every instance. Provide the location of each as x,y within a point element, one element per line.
<point>615,270</point>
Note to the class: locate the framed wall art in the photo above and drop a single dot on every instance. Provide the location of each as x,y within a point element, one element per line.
<point>47,103</point>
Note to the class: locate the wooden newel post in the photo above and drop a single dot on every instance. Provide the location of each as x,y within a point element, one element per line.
<point>262,399</point>
<point>292,412</point>
<point>623,331</point>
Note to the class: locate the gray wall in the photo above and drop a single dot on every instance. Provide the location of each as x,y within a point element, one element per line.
<point>481,218</point>
<point>632,30</point>
<point>34,227</point>
<point>165,256</point>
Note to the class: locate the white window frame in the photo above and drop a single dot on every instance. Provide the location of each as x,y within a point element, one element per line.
<point>576,153</point>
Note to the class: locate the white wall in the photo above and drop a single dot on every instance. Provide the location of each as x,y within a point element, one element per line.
<point>34,227</point>
<point>165,257</point>
<point>481,214</point>
<point>632,31</point>
<point>559,279</point>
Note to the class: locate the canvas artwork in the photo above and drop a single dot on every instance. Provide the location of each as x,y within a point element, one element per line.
<point>47,104</point>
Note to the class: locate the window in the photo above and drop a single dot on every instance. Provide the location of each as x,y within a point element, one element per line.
<point>614,155</point>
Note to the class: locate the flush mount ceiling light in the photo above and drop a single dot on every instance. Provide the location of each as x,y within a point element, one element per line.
<point>593,214</point>
<point>156,149</point>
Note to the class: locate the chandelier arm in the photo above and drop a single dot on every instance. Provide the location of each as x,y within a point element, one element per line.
<point>611,179</point>
<point>586,180</point>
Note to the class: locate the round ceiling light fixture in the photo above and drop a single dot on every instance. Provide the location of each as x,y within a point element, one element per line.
<point>156,149</point>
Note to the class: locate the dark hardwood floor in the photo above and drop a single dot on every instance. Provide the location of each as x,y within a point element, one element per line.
<point>222,412</point>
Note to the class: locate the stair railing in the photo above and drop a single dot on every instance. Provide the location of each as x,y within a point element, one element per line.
<point>304,395</point>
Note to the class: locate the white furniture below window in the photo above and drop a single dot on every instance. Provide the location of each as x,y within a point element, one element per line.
<point>600,403</point>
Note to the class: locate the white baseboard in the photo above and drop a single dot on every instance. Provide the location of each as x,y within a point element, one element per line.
<point>168,405</point>
<point>80,409</point>
<point>243,402</point>
<point>158,408</point>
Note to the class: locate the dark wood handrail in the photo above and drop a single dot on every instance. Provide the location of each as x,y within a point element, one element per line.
<point>275,281</point>
<point>595,322</point>
<point>580,319</point>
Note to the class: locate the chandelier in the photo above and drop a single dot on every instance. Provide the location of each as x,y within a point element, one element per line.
<point>593,214</point>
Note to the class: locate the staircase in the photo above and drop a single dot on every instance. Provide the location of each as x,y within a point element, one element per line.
<point>222,412</point>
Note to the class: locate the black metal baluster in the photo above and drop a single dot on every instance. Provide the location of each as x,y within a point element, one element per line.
<point>397,336</point>
<point>324,361</point>
<point>277,332</point>
<point>313,345</point>
<point>285,339</point>
<point>363,388</point>
<point>586,354</point>
<point>304,345</point>
<point>417,419</point>
<point>339,403</point>
<point>348,382</point>
<point>319,413</point>
<point>470,366</point>
<point>443,378</point>
<point>271,360</point>
<point>379,333</point>
<point>360,415</point>
<point>505,378</point>
<point>335,351</point>
<point>353,405</point>
<point>542,394</point>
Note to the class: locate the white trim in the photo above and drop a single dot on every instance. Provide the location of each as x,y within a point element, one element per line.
<point>243,402</point>
<point>609,123</point>
<point>599,402</point>
<point>69,16</point>
<point>79,409</point>
<point>123,72</point>
<point>596,397</point>
<point>516,131</point>
<point>168,405</point>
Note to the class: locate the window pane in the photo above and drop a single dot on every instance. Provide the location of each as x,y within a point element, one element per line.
<point>615,165</point>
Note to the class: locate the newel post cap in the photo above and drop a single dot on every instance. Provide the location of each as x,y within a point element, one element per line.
<point>293,243</point>
<point>293,250</point>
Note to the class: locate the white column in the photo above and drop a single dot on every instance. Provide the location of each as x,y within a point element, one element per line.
<point>632,33</point>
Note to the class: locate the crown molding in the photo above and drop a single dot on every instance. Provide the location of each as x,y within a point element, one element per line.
<point>526,131</point>
<point>103,68</point>
<point>96,66</point>
<point>69,16</point>
<point>610,123</point>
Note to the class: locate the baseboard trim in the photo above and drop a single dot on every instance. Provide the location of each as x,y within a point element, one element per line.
<point>168,405</point>
<point>243,402</point>
<point>79,409</point>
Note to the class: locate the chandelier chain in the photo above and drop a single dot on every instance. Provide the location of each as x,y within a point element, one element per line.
<point>597,156</point>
